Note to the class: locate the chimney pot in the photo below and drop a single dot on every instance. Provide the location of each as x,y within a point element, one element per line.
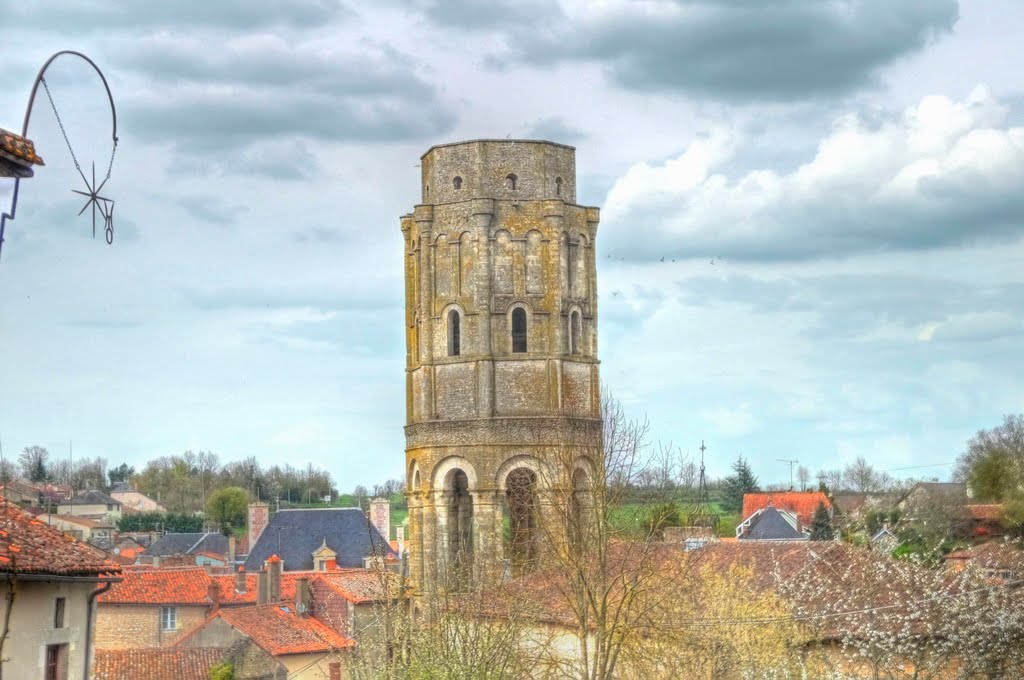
<point>303,597</point>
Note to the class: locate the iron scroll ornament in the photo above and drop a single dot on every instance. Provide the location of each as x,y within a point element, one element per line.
<point>105,205</point>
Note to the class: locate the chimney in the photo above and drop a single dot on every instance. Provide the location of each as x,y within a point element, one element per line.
<point>240,581</point>
<point>400,538</point>
<point>213,595</point>
<point>262,587</point>
<point>231,549</point>
<point>274,567</point>
<point>303,597</point>
<point>258,518</point>
<point>380,516</point>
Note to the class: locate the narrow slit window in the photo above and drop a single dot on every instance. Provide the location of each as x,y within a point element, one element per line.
<point>454,333</point>
<point>58,613</point>
<point>519,330</point>
<point>558,186</point>
<point>510,181</point>
<point>574,333</point>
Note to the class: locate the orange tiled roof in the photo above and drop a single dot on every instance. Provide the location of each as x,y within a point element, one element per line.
<point>191,586</point>
<point>802,503</point>
<point>28,546</point>
<point>16,145</point>
<point>984,512</point>
<point>155,664</point>
<point>278,630</point>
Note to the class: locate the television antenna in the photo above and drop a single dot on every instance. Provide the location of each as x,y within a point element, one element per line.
<point>792,464</point>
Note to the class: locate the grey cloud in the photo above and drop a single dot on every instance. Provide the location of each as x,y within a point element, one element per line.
<point>495,15</point>
<point>212,209</point>
<point>772,50</point>
<point>556,129</point>
<point>103,15</point>
<point>264,90</point>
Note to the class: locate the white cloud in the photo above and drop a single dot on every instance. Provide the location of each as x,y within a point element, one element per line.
<point>943,172</point>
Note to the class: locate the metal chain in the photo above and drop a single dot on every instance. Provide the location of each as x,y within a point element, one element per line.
<point>56,113</point>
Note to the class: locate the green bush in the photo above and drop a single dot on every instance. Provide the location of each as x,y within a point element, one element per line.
<point>223,671</point>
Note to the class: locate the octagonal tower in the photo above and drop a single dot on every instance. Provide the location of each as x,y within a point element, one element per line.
<point>501,351</point>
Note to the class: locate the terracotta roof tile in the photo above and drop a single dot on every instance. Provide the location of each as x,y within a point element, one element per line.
<point>278,630</point>
<point>802,503</point>
<point>190,586</point>
<point>155,664</point>
<point>28,546</point>
<point>16,145</point>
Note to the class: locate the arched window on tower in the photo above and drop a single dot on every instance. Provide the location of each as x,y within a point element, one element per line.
<point>519,330</point>
<point>460,525</point>
<point>454,332</point>
<point>510,181</point>
<point>457,183</point>
<point>558,186</point>
<point>574,333</point>
<point>521,508</point>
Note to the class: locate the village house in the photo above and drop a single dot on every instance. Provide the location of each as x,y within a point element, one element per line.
<point>158,607</point>
<point>780,516</point>
<point>96,532</point>
<point>21,492</point>
<point>278,635</point>
<point>180,550</point>
<point>132,499</point>
<point>51,582</point>
<point>997,561</point>
<point>296,535</point>
<point>92,504</point>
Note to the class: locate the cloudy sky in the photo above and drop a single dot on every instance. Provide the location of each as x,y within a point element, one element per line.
<point>812,242</point>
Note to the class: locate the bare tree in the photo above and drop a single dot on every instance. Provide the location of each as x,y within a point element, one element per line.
<point>33,462</point>
<point>803,477</point>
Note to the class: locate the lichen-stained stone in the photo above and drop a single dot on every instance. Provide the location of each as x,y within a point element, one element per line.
<point>498,259</point>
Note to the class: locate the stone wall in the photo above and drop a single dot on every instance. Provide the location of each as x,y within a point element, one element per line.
<point>123,626</point>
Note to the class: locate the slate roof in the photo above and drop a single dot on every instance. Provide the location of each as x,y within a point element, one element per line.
<point>91,498</point>
<point>122,487</point>
<point>189,544</point>
<point>294,535</point>
<point>771,525</point>
<point>155,664</point>
<point>278,630</point>
<point>27,546</point>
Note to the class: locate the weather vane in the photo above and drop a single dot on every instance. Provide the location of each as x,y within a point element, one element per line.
<point>17,155</point>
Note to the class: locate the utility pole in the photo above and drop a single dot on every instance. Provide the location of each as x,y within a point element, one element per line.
<point>792,465</point>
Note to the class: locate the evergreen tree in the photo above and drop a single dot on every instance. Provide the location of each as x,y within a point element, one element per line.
<point>821,527</point>
<point>742,481</point>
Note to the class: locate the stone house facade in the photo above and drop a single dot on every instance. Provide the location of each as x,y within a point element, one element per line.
<point>501,357</point>
<point>50,583</point>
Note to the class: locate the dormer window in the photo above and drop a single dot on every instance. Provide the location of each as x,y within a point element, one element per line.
<point>510,182</point>
<point>457,183</point>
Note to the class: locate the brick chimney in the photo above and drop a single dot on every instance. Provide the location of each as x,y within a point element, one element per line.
<point>258,518</point>
<point>380,516</point>
<point>213,595</point>
<point>240,581</point>
<point>400,539</point>
<point>303,597</point>
<point>232,549</point>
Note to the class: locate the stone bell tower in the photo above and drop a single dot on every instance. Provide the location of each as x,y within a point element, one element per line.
<point>501,352</point>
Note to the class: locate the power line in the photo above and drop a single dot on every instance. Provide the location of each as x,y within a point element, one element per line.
<point>919,467</point>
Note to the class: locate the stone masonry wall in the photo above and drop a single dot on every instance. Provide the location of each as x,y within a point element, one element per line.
<point>133,626</point>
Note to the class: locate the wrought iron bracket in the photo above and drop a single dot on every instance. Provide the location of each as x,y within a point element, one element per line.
<point>24,132</point>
